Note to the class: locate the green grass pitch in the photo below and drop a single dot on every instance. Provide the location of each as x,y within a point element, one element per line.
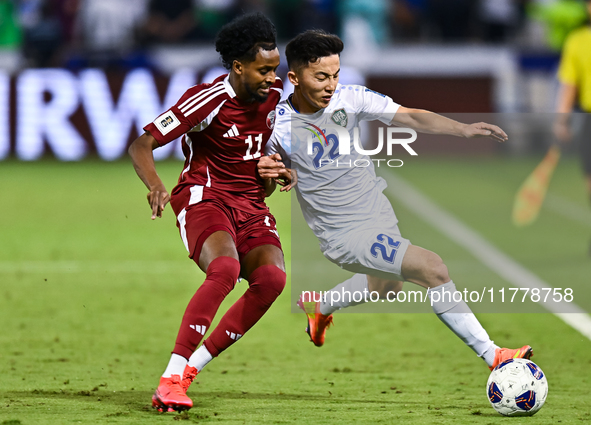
<point>92,292</point>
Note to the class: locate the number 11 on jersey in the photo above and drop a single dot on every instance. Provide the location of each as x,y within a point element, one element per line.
<point>248,141</point>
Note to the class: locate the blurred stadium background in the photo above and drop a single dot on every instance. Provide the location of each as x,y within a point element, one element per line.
<point>69,67</point>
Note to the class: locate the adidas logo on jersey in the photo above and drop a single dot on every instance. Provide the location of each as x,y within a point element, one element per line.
<point>234,336</point>
<point>232,132</point>
<point>199,328</point>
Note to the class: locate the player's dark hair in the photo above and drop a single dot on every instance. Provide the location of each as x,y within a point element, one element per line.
<point>242,38</point>
<point>310,46</point>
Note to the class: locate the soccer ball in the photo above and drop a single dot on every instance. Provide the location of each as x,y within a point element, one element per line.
<point>517,387</point>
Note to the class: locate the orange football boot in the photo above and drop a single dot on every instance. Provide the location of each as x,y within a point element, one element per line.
<point>170,396</point>
<point>504,354</point>
<point>317,322</point>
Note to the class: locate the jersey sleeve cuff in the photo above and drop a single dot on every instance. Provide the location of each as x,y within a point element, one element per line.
<point>155,133</point>
<point>388,115</point>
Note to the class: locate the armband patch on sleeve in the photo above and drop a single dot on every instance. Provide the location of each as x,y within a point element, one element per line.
<point>166,122</point>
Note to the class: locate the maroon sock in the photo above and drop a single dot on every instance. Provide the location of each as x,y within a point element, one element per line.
<point>220,279</point>
<point>266,283</point>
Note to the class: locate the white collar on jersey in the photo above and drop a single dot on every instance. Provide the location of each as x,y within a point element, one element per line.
<point>228,86</point>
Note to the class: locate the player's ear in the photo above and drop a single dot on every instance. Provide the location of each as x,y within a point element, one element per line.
<point>293,78</point>
<point>237,67</point>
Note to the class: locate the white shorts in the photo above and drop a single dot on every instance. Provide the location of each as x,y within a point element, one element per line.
<point>374,247</point>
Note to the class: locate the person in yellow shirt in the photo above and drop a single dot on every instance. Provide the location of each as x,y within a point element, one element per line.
<point>574,75</point>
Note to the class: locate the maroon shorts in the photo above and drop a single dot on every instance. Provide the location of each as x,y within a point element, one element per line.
<point>248,230</point>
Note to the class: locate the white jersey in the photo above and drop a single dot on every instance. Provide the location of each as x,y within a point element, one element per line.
<point>336,192</point>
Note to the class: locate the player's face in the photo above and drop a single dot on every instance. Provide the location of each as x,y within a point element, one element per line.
<point>316,83</point>
<point>258,76</point>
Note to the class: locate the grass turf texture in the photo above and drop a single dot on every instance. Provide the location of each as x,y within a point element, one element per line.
<point>93,291</point>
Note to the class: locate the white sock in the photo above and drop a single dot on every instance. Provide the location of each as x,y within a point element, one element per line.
<point>489,355</point>
<point>460,319</point>
<point>344,294</point>
<point>176,366</point>
<point>200,358</point>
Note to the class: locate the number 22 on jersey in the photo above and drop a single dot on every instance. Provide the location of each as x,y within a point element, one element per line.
<point>249,142</point>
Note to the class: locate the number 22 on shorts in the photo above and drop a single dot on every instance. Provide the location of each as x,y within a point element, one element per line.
<point>381,247</point>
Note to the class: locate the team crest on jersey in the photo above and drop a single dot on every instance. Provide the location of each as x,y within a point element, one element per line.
<point>340,117</point>
<point>271,119</point>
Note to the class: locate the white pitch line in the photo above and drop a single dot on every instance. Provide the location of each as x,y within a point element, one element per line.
<point>568,209</point>
<point>483,250</point>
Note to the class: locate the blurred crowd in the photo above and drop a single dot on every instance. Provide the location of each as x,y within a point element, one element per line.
<point>79,33</point>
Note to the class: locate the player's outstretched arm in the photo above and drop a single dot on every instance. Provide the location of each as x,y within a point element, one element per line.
<point>430,122</point>
<point>141,155</point>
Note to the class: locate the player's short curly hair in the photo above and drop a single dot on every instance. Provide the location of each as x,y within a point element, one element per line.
<point>242,38</point>
<point>310,46</point>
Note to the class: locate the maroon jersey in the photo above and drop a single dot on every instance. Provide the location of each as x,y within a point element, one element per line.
<point>223,139</point>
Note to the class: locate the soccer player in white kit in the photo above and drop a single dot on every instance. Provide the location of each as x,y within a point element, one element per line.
<point>344,205</point>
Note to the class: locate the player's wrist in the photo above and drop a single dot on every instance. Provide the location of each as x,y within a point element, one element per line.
<point>464,130</point>
<point>157,187</point>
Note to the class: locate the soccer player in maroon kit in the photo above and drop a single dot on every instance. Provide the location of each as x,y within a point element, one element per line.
<point>219,199</point>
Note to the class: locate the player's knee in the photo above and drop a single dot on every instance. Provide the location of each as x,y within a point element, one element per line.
<point>268,282</point>
<point>436,270</point>
<point>224,271</point>
<point>274,280</point>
